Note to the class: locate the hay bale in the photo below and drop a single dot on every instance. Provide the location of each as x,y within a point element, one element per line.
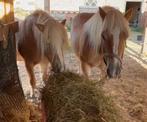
<point>67,97</point>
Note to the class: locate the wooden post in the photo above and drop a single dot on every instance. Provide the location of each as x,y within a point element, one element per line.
<point>47,5</point>
<point>145,42</point>
<point>144,22</point>
<point>12,100</point>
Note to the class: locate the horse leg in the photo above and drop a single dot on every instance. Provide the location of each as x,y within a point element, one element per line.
<point>102,71</point>
<point>44,67</point>
<point>29,67</point>
<point>85,68</point>
<point>80,67</point>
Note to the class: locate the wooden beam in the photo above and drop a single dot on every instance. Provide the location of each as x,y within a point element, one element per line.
<point>47,5</point>
<point>7,14</point>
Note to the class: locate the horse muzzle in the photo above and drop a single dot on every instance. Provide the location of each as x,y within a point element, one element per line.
<point>114,70</point>
<point>114,65</point>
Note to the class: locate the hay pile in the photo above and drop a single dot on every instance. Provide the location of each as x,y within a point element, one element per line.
<point>67,97</point>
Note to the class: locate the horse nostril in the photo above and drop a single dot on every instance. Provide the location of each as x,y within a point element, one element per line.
<point>118,72</point>
<point>109,73</point>
<point>113,73</point>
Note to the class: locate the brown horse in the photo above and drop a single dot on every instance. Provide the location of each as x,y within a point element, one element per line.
<point>101,37</point>
<point>40,41</point>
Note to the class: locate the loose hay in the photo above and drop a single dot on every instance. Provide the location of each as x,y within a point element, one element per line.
<point>67,97</point>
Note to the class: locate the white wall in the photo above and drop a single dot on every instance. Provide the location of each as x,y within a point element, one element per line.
<point>66,5</point>
<point>144,6</point>
<point>29,4</point>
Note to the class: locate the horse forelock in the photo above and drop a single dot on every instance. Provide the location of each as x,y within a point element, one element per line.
<point>52,38</point>
<point>42,16</point>
<point>115,21</point>
<point>29,31</point>
<point>54,34</point>
<point>115,24</point>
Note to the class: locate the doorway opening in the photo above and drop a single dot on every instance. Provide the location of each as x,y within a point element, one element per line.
<point>134,22</point>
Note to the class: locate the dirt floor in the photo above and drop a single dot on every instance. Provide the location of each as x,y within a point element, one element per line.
<point>129,92</point>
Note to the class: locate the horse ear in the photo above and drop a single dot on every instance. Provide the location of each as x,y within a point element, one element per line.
<point>102,13</point>
<point>63,22</point>
<point>40,27</point>
<point>128,15</point>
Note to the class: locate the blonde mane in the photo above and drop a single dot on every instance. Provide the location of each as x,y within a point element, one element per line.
<point>93,28</point>
<point>54,33</point>
<point>42,16</point>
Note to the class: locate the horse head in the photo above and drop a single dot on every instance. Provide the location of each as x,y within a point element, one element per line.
<point>114,35</point>
<point>55,36</point>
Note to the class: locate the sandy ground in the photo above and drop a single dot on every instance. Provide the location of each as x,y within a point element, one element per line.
<point>129,92</point>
